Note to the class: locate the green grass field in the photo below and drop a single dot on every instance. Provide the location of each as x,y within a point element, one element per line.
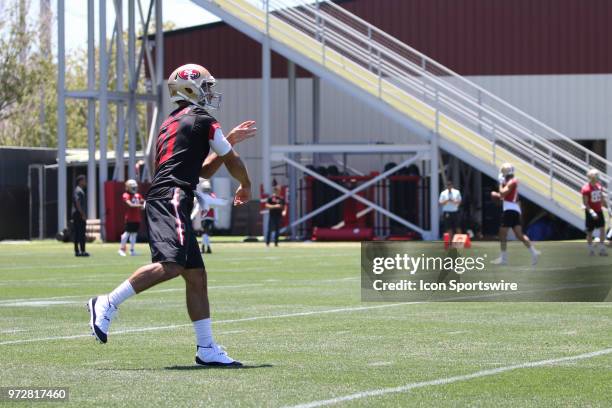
<point>294,316</point>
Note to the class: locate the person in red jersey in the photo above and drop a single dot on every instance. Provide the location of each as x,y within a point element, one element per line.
<point>511,216</point>
<point>134,203</point>
<point>184,142</point>
<point>592,199</point>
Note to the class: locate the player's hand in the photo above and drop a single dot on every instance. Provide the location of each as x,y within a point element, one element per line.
<point>495,195</point>
<point>243,195</point>
<point>242,132</point>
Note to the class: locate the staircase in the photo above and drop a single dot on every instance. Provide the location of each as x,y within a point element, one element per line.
<point>426,97</point>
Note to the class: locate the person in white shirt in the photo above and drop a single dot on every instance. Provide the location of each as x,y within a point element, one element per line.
<point>450,200</point>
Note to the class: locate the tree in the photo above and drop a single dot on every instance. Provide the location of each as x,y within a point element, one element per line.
<point>25,70</point>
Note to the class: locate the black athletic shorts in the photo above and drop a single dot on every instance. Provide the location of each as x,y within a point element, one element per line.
<point>207,224</point>
<point>132,226</point>
<point>594,223</point>
<point>510,219</point>
<point>171,236</point>
<point>451,220</point>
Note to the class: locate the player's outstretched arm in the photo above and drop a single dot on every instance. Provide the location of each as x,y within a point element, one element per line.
<point>240,133</point>
<point>238,170</point>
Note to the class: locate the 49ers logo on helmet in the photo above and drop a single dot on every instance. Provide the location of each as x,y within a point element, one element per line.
<point>187,74</point>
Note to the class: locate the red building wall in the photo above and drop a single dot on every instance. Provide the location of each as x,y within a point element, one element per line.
<point>472,37</point>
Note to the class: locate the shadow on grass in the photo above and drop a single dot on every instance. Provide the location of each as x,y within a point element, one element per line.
<point>189,367</point>
<point>199,367</point>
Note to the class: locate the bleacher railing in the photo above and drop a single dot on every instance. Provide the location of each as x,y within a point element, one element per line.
<point>555,156</point>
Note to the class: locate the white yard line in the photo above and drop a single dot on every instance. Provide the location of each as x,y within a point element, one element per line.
<point>449,380</point>
<point>236,260</point>
<point>6,302</point>
<point>244,319</point>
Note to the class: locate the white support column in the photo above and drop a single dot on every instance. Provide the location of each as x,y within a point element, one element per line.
<point>159,62</point>
<point>292,138</point>
<point>132,114</point>
<point>609,158</point>
<point>91,112</point>
<point>103,172</point>
<point>434,188</point>
<point>61,119</point>
<point>120,86</point>
<point>265,116</point>
<point>316,114</point>
<point>266,165</point>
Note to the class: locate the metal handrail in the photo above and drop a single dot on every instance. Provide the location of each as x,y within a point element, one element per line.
<point>291,13</point>
<point>346,46</point>
<point>435,90</point>
<point>470,100</point>
<point>469,83</point>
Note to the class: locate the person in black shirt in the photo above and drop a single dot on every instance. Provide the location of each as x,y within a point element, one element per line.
<point>276,207</point>
<point>79,218</point>
<point>181,157</point>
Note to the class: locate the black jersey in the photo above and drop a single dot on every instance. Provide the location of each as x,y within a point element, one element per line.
<point>183,142</point>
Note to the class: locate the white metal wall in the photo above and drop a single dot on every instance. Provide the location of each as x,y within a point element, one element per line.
<point>578,105</point>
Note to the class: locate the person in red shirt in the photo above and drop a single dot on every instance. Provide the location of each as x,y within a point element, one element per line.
<point>511,216</point>
<point>135,203</point>
<point>592,198</point>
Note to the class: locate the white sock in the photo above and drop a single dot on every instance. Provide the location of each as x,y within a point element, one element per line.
<point>206,239</point>
<point>203,332</point>
<point>121,293</point>
<point>124,238</point>
<point>504,255</point>
<point>532,250</point>
<point>133,237</point>
<point>602,246</point>
<point>590,245</point>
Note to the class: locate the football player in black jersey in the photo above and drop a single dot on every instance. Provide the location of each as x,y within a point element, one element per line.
<point>182,156</point>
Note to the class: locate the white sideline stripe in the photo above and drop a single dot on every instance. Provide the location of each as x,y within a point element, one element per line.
<point>244,319</point>
<point>245,285</point>
<point>85,266</point>
<point>11,301</point>
<point>132,261</point>
<point>449,380</point>
<point>562,287</point>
